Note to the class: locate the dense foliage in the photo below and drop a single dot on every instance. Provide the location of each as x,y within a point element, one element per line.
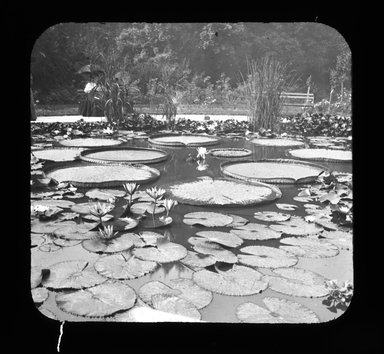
<point>216,54</point>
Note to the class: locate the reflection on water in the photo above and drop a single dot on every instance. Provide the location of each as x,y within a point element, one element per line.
<point>177,169</point>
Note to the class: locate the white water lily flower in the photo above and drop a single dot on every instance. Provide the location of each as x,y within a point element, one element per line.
<point>201,166</point>
<point>100,209</point>
<point>201,152</point>
<point>169,204</point>
<point>108,130</point>
<point>130,188</point>
<point>107,233</point>
<point>39,208</point>
<point>155,193</point>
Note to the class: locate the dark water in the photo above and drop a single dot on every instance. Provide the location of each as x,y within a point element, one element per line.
<point>176,169</point>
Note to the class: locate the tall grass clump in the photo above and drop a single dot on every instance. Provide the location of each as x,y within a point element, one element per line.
<point>267,79</point>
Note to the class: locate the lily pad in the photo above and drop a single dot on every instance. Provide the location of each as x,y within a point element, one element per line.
<point>297,226</point>
<point>208,219</point>
<point>63,242</point>
<point>266,257</point>
<point>58,155</point>
<point>149,223</point>
<point>72,275</point>
<point>89,142</point>
<point>49,247</point>
<point>150,238</point>
<point>39,295</point>
<point>122,224</point>
<point>104,194</point>
<point>277,142</point>
<point>238,281</point>
<point>271,216</point>
<point>322,155</point>
<point>123,266</point>
<point>341,239</point>
<point>222,238</point>
<point>230,152</point>
<point>196,261</point>
<point>183,140</point>
<point>47,313</point>
<point>52,203</point>
<point>254,231</point>
<point>183,288</point>
<point>175,305</point>
<point>102,175</point>
<point>163,253</point>
<point>99,301</point>
<point>36,240</point>
<point>215,250</point>
<point>284,171</point>
<point>303,199</point>
<point>297,282</point>
<point>309,247</point>
<point>277,311</point>
<point>142,208</point>
<point>113,245</point>
<point>94,218</point>
<point>76,231</point>
<point>237,221</point>
<point>36,277</point>
<point>289,207</point>
<point>222,192</point>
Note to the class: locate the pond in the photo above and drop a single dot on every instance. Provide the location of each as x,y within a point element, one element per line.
<point>222,308</point>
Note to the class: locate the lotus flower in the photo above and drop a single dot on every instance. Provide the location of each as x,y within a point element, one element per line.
<point>107,233</point>
<point>201,152</point>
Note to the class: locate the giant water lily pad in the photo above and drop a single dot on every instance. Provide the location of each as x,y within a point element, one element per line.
<point>39,295</point>
<point>124,155</point>
<point>277,142</point>
<point>222,192</point>
<point>197,261</point>
<point>175,305</point>
<point>102,176</point>
<point>183,288</point>
<point>277,311</point>
<point>209,219</point>
<point>123,266</point>
<point>183,140</point>
<point>98,301</point>
<point>238,281</point>
<point>330,155</point>
<point>112,245</point>
<point>297,226</point>
<point>215,250</point>
<point>273,171</point>
<point>58,155</point>
<point>271,216</point>
<point>254,231</point>
<point>309,247</point>
<point>266,257</point>
<point>163,253</point>
<point>341,239</point>
<point>230,152</point>
<point>75,274</point>
<point>90,142</point>
<point>297,282</point>
<point>222,238</point>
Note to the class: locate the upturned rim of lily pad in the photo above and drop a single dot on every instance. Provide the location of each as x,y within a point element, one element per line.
<point>86,156</point>
<point>226,153</point>
<point>152,139</point>
<point>298,154</point>
<point>58,148</point>
<point>276,180</point>
<point>291,142</point>
<point>72,142</point>
<point>113,183</point>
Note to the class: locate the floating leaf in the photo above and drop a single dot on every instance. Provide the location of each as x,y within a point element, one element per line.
<point>341,239</point>
<point>58,155</point>
<point>266,257</point>
<point>36,240</point>
<point>326,224</point>
<point>196,261</point>
<point>271,216</point>
<point>76,195</point>
<point>36,277</point>
<point>277,311</point>
<point>39,295</point>
<point>49,247</point>
<point>175,305</point>
<point>53,203</point>
<point>209,219</point>
<point>63,242</point>
<point>91,217</point>
<point>309,247</point>
<point>122,224</point>
<point>47,313</point>
<point>254,231</point>
<point>238,281</point>
<point>183,140</point>
<point>76,231</point>
<point>181,287</point>
<point>69,216</point>
<point>322,155</point>
<point>72,275</point>
<point>90,142</point>
<point>112,245</point>
<point>222,238</point>
<point>288,207</point>
<point>150,238</point>
<point>303,199</point>
<point>297,226</point>
<point>98,301</point>
<point>215,250</point>
<point>123,266</point>
<point>237,221</point>
<point>277,142</point>
<point>165,253</point>
<point>142,208</point>
<point>297,282</point>
<point>104,194</point>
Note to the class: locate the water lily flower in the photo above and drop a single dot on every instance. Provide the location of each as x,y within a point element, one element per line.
<point>201,166</point>
<point>39,209</point>
<point>201,152</point>
<point>100,209</point>
<point>108,131</point>
<point>169,204</point>
<point>130,188</point>
<point>107,233</point>
<point>155,193</point>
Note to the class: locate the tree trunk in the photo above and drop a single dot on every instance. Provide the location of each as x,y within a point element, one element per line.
<point>33,111</point>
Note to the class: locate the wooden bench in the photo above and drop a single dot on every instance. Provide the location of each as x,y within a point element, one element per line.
<point>305,99</point>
